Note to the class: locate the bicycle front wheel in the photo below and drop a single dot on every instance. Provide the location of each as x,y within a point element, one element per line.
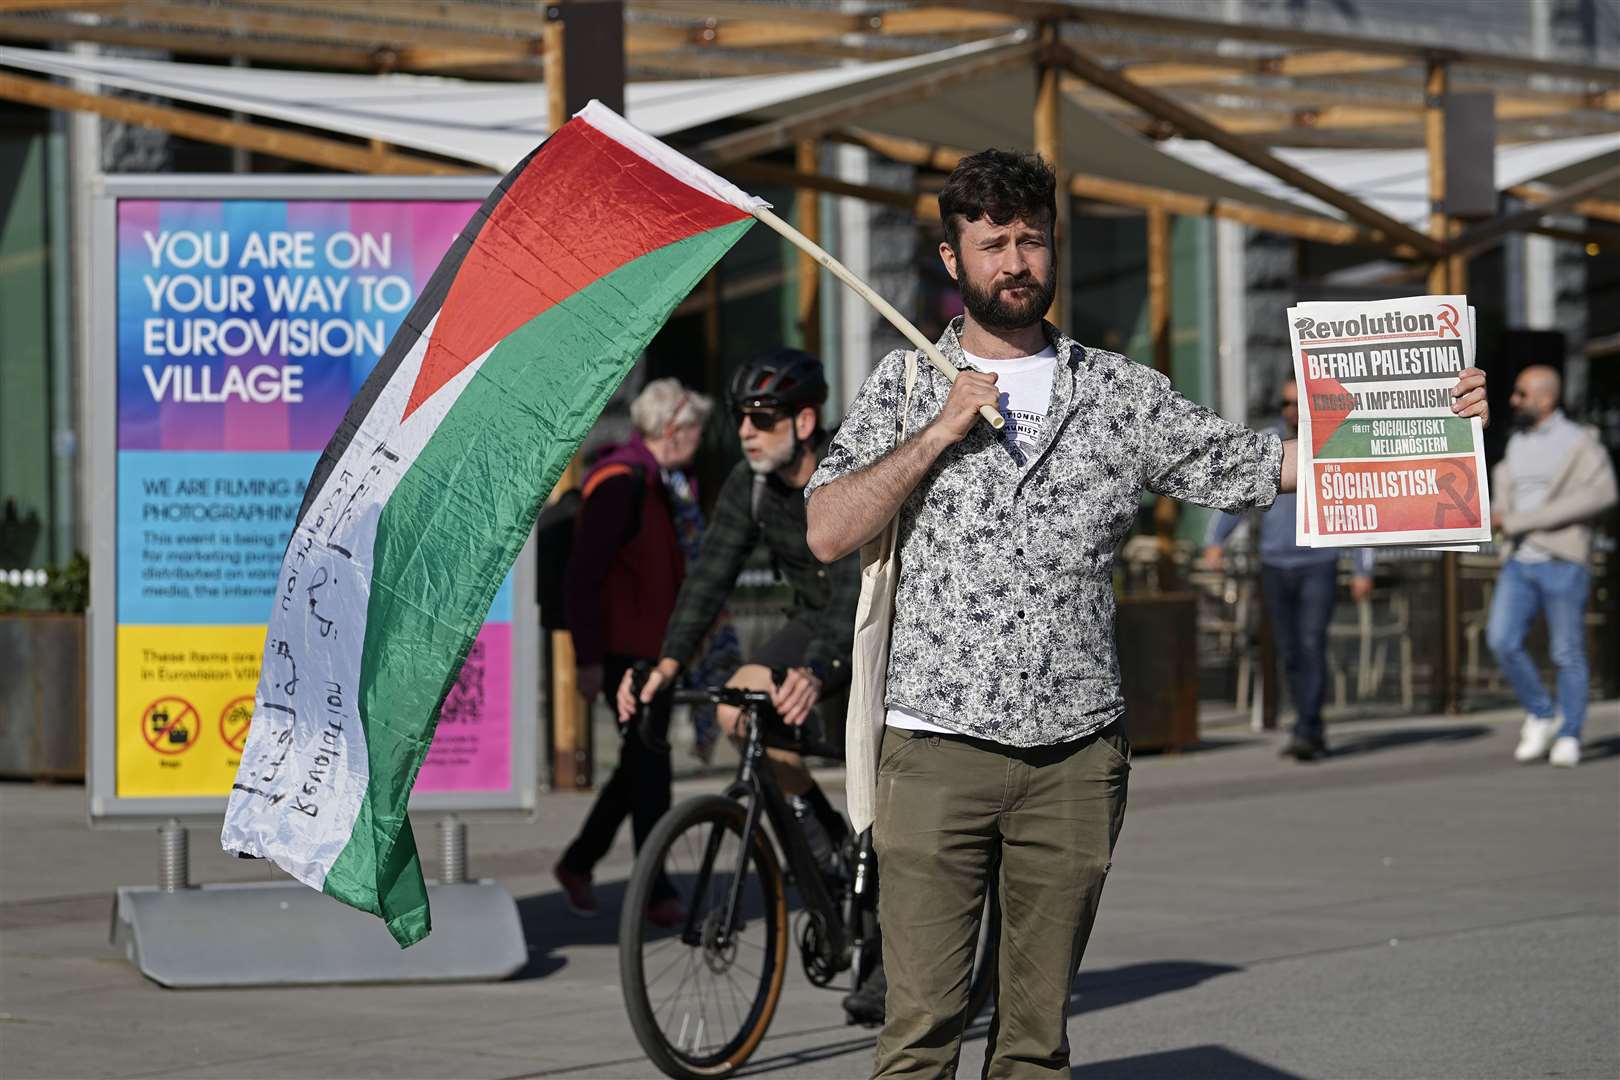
<point>700,995</point>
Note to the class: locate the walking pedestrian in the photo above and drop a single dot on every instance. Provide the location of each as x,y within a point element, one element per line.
<point>623,575</point>
<point>1546,493</point>
<point>1300,586</point>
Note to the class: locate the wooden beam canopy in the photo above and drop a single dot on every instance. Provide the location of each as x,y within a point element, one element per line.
<point>1482,236</point>
<point>775,134</point>
<point>1167,24</point>
<point>1190,122</point>
<point>1130,194</point>
<point>924,205</point>
<point>1601,209</point>
<point>1312,88</point>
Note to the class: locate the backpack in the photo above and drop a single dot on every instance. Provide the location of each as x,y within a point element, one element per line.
<point>554,540</point>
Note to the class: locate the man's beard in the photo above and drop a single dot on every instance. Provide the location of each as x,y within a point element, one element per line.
<point>995,311</point>
<point>1524,419</point>
<point>771,461</point>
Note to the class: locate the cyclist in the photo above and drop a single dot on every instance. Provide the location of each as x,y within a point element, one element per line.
<point>776,400</point>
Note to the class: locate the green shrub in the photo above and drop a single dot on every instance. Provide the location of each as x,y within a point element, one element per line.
<point>66,589</point>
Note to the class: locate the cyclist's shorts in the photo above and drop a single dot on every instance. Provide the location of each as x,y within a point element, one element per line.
<point>787,648</point>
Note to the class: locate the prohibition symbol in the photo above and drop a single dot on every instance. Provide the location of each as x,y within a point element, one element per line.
<point>170,725</point>
<point>234,721</point>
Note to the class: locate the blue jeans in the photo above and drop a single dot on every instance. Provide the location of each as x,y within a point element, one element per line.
<point>1558,588</point>
<point>1299,600</point>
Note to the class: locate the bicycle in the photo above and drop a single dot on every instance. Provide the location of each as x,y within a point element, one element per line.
<point>727,963</point>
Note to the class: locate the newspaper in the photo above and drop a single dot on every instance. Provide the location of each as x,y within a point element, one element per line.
<point>1382,458</point>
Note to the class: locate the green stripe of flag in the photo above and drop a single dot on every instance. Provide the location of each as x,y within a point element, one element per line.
<point>1361,438</point>
<point>456,522</point>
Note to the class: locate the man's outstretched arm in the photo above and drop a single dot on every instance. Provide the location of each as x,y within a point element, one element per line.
<point>845,513</point>
<point>1467,399</point>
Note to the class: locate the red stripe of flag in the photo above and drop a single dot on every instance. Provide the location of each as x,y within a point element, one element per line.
<point>607,206</point>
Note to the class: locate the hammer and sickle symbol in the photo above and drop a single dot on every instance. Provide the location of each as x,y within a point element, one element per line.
<point>1448,320</point>
<point>1451,475</point>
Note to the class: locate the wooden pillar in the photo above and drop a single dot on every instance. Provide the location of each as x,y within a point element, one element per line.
<point>809,223</point>
<point>1446,275</point>
<point>556,75</point>
<point>1049,144</point>
<point>1166,511</point>
<point>570,714</point>
<point>1159,254</point>
<point>1434,139</point>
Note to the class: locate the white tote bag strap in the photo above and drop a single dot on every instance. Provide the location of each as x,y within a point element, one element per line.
<point>890,537</point>
<point>869,664</point>
<point>905,406</point>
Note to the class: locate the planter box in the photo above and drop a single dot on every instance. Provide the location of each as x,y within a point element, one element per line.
<point>42,696</point>
<point>1157,637</point>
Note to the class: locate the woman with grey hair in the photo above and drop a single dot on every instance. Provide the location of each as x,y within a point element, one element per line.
<point>628,560</point>
<point>665,409</point>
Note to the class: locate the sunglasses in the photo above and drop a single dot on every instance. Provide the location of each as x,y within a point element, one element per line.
<point>764,420</point>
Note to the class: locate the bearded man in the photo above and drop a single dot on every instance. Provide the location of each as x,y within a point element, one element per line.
<point>1004,748</point>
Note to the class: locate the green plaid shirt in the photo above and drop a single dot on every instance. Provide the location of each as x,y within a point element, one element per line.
<point>823,596</point>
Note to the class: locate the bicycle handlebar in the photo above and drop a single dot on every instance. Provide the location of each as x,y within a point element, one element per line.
<point>735,696</point>
<point>773,731</point>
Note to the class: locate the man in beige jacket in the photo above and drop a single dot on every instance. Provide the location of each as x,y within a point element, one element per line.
<point>1547,492</point>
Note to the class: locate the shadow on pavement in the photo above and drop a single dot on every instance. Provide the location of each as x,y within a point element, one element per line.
<point>1204,1062</point>
<point>1092,992</point>
<point>860,1040</point>
<point>1597,749</point>
<point>1204,745</point>
<point>548,926</point>
<point>1097,990</point>
<point>1375,741</point>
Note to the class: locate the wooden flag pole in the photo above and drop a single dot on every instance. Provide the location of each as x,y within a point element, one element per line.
<point>867,293</point>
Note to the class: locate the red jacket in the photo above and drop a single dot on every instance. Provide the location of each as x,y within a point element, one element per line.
<point>620,585</point>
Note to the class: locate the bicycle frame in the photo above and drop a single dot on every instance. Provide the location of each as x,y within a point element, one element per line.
<point>756,787</point>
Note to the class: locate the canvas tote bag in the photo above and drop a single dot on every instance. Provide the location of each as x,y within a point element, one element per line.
<point>869,663</point>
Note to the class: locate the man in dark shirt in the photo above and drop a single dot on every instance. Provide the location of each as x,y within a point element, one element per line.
<point>1299,585</point>
<point>776,400</point>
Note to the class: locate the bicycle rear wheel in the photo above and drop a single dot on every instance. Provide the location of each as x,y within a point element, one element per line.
<point>700,999</point>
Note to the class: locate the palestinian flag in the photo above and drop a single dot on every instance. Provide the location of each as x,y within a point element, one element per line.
<point>422,500</point>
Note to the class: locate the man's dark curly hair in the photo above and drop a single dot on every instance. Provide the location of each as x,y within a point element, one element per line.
<point>999,185</point>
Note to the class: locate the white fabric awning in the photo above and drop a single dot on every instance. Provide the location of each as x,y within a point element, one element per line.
<point>1395,182</point>
<point>492,124</point>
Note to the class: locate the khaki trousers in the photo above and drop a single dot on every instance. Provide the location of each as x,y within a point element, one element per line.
<point>949,809</point>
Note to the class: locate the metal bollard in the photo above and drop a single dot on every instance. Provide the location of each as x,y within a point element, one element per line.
<point>174,856</point>
<point>452,850</point>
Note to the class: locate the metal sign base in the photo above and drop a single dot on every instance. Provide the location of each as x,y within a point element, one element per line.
<point>285,934</point>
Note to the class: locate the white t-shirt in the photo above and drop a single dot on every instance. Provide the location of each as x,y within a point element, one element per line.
<point>1025,383</point>
<point>1026,391</point>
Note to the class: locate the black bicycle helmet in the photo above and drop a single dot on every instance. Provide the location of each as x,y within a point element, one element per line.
<point>779,379</point>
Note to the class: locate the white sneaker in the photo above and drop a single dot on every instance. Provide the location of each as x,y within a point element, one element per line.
<point>1535,739</point>
<point>1566,752</point>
